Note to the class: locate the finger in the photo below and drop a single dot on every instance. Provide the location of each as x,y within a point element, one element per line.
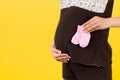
<point>88,25</point>
<point>65,55</point>
<point>64,60</point>
<point>96,28</point>
<point>92,28</point>
<point>62,56</point>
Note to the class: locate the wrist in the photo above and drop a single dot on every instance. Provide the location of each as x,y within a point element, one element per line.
<point>115,21</point>
<point>110,22</point>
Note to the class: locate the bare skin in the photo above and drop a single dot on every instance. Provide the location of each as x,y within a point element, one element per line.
<point>99,23</point>
<point>95,23</point>
<point>62,57</point>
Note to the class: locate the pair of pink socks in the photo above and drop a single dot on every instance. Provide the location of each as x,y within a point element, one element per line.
<point>80,37</point>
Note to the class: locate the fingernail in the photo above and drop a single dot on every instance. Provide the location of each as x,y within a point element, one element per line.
<point>85,31</point>
<point>68,59</point>
<point>59,51</point>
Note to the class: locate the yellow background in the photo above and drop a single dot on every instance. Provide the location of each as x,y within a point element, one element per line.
<point>27,30</point>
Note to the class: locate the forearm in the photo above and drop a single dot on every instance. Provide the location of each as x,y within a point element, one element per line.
<point>114,22</point>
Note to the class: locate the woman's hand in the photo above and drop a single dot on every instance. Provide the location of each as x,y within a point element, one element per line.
<point>62,57</point>
<point>96,23</point>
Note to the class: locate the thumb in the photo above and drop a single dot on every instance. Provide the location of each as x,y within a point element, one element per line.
<point>54,50</point>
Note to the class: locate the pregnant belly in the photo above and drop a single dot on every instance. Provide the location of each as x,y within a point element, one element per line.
<point>67,26</point>
<point>98,52</point>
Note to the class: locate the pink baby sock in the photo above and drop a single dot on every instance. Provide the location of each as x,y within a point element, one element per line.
<point>80,37</point>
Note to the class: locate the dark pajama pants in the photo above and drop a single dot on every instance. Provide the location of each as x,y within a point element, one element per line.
<point>75,71</point>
